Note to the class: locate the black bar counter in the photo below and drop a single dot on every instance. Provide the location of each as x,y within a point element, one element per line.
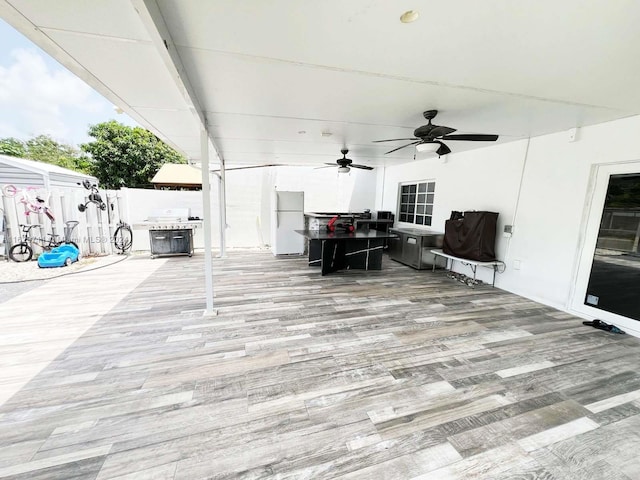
<point>333,251</point>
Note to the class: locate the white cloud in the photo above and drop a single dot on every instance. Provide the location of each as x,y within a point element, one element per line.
<point>40,99</point>
<point>8,130</point>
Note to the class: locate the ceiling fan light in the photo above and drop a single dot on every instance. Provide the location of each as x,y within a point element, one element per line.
<point>343,169</point>
<point>431,147</point>
<point>409,16</point>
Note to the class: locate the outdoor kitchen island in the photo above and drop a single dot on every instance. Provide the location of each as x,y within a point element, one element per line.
<point>333,251</point>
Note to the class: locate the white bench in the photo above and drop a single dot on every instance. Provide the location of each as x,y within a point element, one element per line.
<point>474,264</point>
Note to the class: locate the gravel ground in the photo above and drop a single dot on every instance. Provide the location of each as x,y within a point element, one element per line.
<point>16,278</point>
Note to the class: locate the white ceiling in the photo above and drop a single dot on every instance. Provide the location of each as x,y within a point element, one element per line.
<point>261,72</point>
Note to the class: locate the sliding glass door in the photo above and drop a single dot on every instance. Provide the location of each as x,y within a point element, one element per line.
<point>614,281</point>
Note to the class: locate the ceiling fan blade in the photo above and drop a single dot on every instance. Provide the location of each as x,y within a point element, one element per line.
<point>443,150</point>
<point>407,145</point>
<point>363,167</point>
<point>331,164</point>
<point>472,137</point>
<point>439,131</point>
<point>327,166</point>
<point>395,140</point>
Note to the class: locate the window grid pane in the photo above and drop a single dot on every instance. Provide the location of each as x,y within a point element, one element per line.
<point>416,203</point>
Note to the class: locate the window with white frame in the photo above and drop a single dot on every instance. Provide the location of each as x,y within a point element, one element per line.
<point>416,202</point>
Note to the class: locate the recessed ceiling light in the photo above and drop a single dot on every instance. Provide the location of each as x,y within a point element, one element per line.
<point>409,16</point>
<point>326,134</point>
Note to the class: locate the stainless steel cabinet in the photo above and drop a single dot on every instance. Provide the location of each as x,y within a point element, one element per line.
<point>171,242</point>
<point>395,247</point>
<point>413,246</point>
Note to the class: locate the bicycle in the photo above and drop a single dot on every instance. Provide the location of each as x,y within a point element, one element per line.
<point>123,237</point>
<point>23,251</point>
<point>31,204</point>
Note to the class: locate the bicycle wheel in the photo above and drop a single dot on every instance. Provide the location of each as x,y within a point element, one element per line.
<point>9,190</point>
<point>21,252</point>
<point>123,238</point>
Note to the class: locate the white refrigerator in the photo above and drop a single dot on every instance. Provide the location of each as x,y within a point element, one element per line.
<point>287,215</point>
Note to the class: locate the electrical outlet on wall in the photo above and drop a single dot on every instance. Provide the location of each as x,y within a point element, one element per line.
<point>516,264</point>
<point>573,135</point>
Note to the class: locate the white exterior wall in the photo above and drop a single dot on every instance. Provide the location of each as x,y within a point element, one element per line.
<point>249,197</point>
<point>138,205</point>
<point>249,201</point>
<point>245,198</point>
<point>326,190</point>
<point>464,182</point>
<point>553,204</point>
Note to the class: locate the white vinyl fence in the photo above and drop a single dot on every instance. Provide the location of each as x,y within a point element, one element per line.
<point>96,227</point>
<point>93,234</point>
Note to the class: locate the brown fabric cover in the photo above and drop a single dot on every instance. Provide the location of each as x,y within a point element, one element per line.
<point>473,236</point>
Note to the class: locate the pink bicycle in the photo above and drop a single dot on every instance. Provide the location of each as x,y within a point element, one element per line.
<point>33,203</point>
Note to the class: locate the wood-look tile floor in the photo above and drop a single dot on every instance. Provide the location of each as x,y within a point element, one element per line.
<point>397,374</point>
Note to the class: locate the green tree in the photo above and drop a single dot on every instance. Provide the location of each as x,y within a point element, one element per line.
<point>13,147</point>
<point>45,149</point>
<point>123,156</point>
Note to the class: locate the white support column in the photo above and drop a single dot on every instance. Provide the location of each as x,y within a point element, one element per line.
<point>206,203</point>
<point>222,196</point>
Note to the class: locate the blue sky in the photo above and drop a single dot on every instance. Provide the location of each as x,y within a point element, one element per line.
<point>39,96</point>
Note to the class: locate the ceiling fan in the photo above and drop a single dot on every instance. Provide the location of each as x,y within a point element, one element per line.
<point>427,138</point>
<point>345,164</point>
